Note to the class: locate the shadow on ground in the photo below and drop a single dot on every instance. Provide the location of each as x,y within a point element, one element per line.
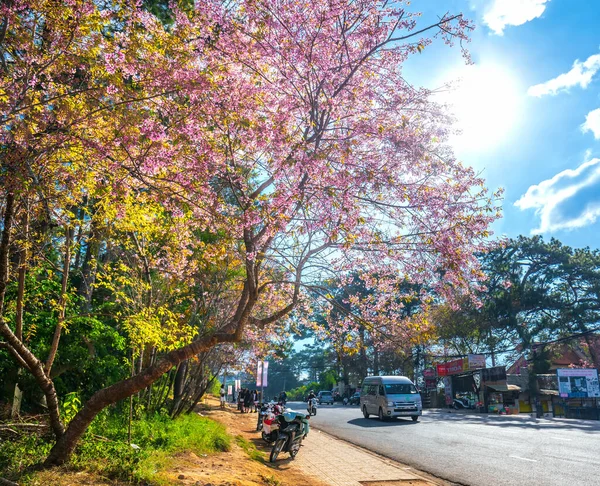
<point>395,422</point>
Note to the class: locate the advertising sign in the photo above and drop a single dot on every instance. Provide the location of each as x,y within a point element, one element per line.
<point>430,384</point>
<point>261,373</point>
<point>448,390</point>
<point>476,361</point>
<point>578,382</point>
<point>494,376</point>
<point>428,373</point>
<point>452,367</point>
<point>229,389</point>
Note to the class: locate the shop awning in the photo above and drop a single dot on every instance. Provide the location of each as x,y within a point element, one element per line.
<point>504,388</point>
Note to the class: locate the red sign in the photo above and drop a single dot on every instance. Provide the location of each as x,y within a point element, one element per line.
<point>451,368</point>
<point>428,373</point>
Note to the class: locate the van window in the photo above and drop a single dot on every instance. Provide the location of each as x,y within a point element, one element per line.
<point>381,391</point>
<point>372,389</point>
<point>401,389</point>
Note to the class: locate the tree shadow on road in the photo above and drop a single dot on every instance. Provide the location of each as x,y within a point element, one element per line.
<point>521,421</point>
<point>363,422</point>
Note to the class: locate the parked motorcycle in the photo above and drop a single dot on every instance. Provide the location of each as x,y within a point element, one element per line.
<point>462,404</point>
<point>293,428</point>
<point>270,429</point>
<point>311,406</point>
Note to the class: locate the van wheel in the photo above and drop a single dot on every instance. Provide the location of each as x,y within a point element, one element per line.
<point>414,418</point>
<point>381,416</point>
<point>365,413</point>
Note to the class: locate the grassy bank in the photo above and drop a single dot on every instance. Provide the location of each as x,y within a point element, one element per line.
<point>105,451</point>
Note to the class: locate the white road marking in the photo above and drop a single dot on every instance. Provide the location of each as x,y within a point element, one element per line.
<point>523,458</point>
<point>559,438</point>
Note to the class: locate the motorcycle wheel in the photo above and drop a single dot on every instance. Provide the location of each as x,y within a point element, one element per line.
<point>314,411</point>
<point>277,448</point>
<point>365,413</point>
<point>294,451</point>
<point>267,438</point>
<point>259,423</point>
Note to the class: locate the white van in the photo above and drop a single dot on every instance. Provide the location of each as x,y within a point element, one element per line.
<point>390,396</point>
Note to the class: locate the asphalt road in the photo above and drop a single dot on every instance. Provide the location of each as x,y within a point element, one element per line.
<point>476,449</point>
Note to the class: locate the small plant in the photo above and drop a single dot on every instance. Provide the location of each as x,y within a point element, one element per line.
<point>270,480</point>
<point>249,448</point>
<point>70,406</point>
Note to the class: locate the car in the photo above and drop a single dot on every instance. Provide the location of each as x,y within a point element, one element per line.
<point>355,399</point>
<point>325,397</point>
<point>390,397</point>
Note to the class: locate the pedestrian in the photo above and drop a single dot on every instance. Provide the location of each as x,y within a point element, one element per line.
<point>222,393</point>
<point>255,400</point>
<point>241,400</point>
<point>247,401</point>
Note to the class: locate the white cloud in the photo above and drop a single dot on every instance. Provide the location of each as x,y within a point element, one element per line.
<point>592,123</point>
<point>570,199</point>
<point>581,74</point>
<point>501,13</point>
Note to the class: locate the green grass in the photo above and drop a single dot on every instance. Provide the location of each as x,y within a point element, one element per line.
<point>104,448</point>
<point>249,448</point>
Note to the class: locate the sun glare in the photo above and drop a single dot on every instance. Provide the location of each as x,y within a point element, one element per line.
<point>485,99</point>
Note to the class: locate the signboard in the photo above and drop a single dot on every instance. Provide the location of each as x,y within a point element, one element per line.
<point>261,374</point>
<point>494,376</point>
<point>578,382</point>
<point>452,367</point>
<point>448,390</point>
<point>476,361</point>
<point>430,383</point>
<point>428,373</point>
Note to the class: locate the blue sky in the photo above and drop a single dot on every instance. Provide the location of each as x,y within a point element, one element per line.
<point>527,108</point>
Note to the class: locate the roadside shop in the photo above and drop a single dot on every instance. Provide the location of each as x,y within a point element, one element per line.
<point>461,379</point>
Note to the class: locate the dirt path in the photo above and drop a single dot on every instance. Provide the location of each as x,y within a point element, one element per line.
<point>245,465</point>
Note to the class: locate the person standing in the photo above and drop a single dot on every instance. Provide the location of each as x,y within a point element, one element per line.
<point>247,401</point>
<point>222,393</point>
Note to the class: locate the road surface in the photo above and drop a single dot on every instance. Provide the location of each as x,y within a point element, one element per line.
<point>476,449</point>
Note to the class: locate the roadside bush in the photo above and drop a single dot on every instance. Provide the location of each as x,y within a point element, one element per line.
<point>104,448</point>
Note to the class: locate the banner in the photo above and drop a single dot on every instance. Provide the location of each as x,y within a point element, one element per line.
<point>452,367</point>
<point>476,361</point>
<point>229,389</point>
<point>262,371</point>
<point>578,382</point>
<point>448,391</point>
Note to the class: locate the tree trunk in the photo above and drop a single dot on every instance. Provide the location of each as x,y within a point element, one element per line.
<point>178,386</point>
<point>22,353</point>
<point>88,271</point>
<point>62,450</point>
<point>62,303</point>
<point>23,259</point>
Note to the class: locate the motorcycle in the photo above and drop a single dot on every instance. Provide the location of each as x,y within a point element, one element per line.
<point>311,406</point>
<point>293,428</point>
<point>462,404</point>
<point>270,429</point>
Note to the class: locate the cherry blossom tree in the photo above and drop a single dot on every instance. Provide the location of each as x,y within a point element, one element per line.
<point>287,126</point>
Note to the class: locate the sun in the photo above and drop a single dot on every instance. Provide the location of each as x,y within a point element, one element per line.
<point>486,101</point>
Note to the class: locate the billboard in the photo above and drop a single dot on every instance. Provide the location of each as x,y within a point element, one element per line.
<point>476,361</point>
<point>578,382</point>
